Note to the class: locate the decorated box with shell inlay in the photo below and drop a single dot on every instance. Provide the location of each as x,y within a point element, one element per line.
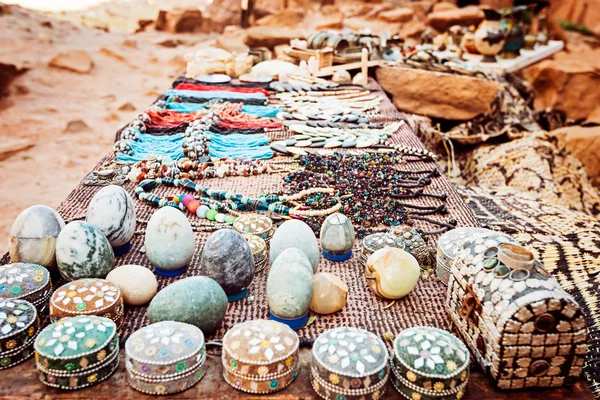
<point>26,281</point>
<point>165,358</point>
<point>19,324</point>
<point>349,363</point>
<point>523,328</point>
<point>429,364</point>
<point>77,352</point>
<point>260,356</point>
<point>88,297</point>
<point>259,251</point>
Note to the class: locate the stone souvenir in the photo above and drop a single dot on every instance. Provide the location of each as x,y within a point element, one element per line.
<point>197,300</point>
<point>82,251</point>
<point>522,327</point>
<point>449,244</point>
<point>295,233</point>
<point>392,273</point>
<point>259,251</point>
<point>33,236</point>
<point>165,358</point>
<point>490,37</point>
<point>376,241</point>
<point>77,352</point>
<point>429,364</point>
<point>227,258</point>
<point>255,224</point>
<point>26,281</point>
<point>137,283</point>
<point>19,324</point>
<point>88,297</point>
<point>290,288</point>
<point>169,242</point>
<point>329,293</point>
<point>337,237</point>
<point>349,363</point>
<point>112,211</point>
<point>260,356</point>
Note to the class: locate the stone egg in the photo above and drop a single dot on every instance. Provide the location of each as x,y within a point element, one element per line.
<point>337,237</point>
<point>392,273</point>
<point>197,300</point>
<point>82,251</point>
<point>227,258</point>
<point>33,236</point>
<point>294,233</point>
<point>329,295</point>
<point>290,288</point>
<point>138,284</point>
<point>112,210</point>
<point>169,241</point>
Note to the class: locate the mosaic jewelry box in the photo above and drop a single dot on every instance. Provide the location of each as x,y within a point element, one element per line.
<point>349,363</point>
<point>88,297</point>
<point>255,224</point>
<point>77,352</point>
<point>260,356</point>
<point>165,358</point>
<point>26,281</point>
<point>523,328</point>
<point>429,364</point>
<point>259,251</point>
<point>376,241</point>
<point>19,324</point>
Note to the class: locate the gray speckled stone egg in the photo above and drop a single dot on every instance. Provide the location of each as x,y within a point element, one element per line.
<point>112,210</point>
<point>290,284</point>
<point>294,233</point>
<point>197,300</point>
<point>82,251</point>
<point>169,239</point>
<point>227,258</point>
<point>33,236</point>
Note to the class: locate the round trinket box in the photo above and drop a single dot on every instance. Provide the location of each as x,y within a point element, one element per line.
<point>19,324</point>
<point>77,352</point>
<point>349,363</point>
<point>165,358</point>
<point>377,241</point>
<point>260,356</point>
<point>259,251</point>
<point>26,281</point>
<point>255,224</point>
<point>449,244</point>
<point>87,297</point>
<point>429,363</point>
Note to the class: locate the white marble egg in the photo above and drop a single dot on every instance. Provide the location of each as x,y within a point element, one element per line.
<point>112,211</point>
<point>169,239</point>
<point>33,236</point>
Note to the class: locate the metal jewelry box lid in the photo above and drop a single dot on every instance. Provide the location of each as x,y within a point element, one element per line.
<point>87,297</point>
<point>26,281</point>
<point>256,224</point>
<point>259,251</point>
<point>430,362</point>
<point>349,363</point>
<point>19,323</point>
<point>260,356</point>
<point>377,241</point>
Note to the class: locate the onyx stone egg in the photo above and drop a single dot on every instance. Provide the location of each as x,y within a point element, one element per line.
<point>112,210</point>
<point>33,236</point>
<point>337,237</point>
<point>227,258</point>
<point>295,233</point>
<point>82,251</point>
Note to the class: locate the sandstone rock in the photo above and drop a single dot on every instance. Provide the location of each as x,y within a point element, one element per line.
<point>233,43</point>
<point>422,8</point>
<point>593,118</point>
<point>375,25</point>
<point>442,20</point>
<point>127,106</point>
<point>437,94</point>
<point>220,14</point>
<point>268,36</point>
<point>397,15</point>
<point>180,20</point>
<point>77,126</point>
<point>8,72</point>
<point>11,146</point>
<point>444,6</point>
<point>570,82</point>
<point>583,143</point>
<point>411,30</point>
<point>582,12</point>
<point>287,18</point>
<point>73,60</point>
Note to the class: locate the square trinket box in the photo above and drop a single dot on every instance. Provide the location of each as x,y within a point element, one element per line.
<point>350,364</point>
<point>26,281</point>
<point>19,324</point>
<point>88,297</point>
<point>429,364</point>
<point>255,224</point>
<point>260,356</point>
<point>77,352</point>
<point>165,358</point>
<point>259,251</point>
